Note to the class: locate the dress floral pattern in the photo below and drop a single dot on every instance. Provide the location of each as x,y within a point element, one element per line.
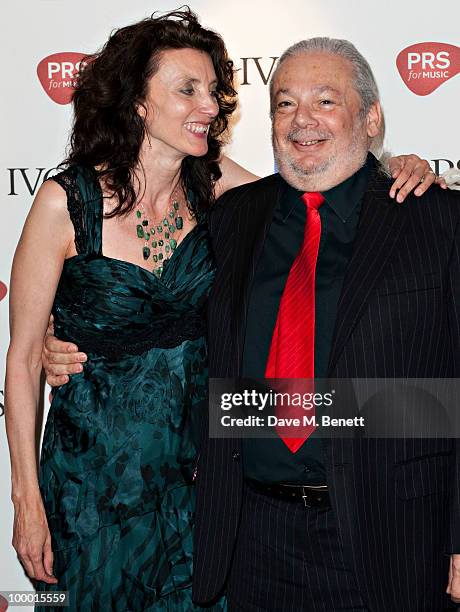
<point>119,449</point>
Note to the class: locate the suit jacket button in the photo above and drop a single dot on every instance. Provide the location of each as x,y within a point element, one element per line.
<point>236,455</point>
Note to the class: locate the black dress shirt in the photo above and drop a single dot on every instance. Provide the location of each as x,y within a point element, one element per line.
<point>269,460</point>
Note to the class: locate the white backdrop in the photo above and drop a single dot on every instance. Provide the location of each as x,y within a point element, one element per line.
<point>34,128</point>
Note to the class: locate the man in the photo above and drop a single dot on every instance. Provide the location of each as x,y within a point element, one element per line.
<point>373,535</point>
<point>382,515</point>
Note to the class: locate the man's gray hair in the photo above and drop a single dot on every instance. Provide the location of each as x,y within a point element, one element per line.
<point>364,80</point>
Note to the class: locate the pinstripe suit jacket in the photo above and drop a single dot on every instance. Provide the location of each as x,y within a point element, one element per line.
<point>397,501</point>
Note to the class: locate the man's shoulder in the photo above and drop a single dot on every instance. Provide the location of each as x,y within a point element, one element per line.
<point>238,195</point>
<point>444,204</point>
<point>254,194</point>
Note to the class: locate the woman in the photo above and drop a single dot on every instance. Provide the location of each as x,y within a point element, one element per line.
<point>115,246</point>
<point>121,244</point>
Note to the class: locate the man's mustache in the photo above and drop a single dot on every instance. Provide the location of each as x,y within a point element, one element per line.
<point>298,134</point>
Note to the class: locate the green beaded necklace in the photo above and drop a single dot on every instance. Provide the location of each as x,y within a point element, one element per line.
<point>160,239</point>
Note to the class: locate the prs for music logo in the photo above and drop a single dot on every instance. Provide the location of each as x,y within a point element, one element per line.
<point>58,72</point>
<point>426,66</point>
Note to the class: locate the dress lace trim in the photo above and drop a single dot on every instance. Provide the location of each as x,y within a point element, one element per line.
<point>76,207</point>
<point>191,327</point>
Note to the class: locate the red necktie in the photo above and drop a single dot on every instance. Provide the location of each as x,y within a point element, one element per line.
<point>292,350</point>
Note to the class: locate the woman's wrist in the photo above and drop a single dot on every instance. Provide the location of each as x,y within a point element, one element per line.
<point>28,497</point>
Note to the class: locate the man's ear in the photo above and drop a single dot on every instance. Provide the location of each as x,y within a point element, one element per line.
<point>374,120</point>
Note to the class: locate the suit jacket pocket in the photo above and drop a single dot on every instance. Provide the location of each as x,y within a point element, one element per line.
<point>405,284</point>
<point>428,475</point>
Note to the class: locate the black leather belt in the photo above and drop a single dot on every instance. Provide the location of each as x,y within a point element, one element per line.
<point>311,496</point>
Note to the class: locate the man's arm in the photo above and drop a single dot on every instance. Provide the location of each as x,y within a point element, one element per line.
<point>453,586</point>
<point>61,359</point>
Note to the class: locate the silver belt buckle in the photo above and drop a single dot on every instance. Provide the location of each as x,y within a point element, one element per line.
<point>304,497</point>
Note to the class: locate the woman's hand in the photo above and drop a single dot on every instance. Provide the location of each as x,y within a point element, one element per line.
<point>60,359</point>
<point>32,540</point>
<point>411,173</point>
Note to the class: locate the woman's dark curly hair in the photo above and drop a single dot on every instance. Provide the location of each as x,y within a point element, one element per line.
<point>108,132</point>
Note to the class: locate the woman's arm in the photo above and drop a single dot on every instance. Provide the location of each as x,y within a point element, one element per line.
<point>62,359</point>
<point>37,266</point>
<point>233,175</point>
<point>409,171</point>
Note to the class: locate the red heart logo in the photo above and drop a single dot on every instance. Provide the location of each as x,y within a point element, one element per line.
<point>426,66</point>
<point>3,604</point>
<point>3,291</point>
<point>57,74</point>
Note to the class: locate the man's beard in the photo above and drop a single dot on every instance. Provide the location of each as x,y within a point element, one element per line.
<point>306,178</point>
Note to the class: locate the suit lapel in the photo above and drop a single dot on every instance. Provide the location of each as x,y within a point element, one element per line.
<point>252,222</point>
<point>381,224</point>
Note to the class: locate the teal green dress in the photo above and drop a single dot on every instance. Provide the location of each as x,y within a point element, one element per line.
<point>118,454</point>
